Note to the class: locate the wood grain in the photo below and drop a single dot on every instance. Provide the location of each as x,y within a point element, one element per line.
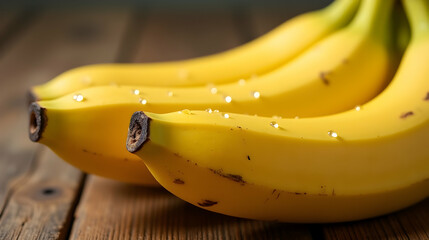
<point>41,203</point>
<point>38,191</point>
<point>113,210</point>
<point>59,41</point>
<point>410,223</point>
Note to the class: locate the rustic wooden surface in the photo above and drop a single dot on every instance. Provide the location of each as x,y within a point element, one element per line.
<point>42,197</point>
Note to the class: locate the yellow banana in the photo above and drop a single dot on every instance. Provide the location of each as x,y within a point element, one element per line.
<point>353,165</point>
<point>75,119</point>
<point>275,48</point>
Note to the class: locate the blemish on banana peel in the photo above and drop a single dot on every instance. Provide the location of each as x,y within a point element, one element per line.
<point>406,114</point>
<point>276,193</point>
<point>426,97</point>
<point>93,153</point>
<point>178,181</point>
<point>248,157</point>
<point>207,203</point>
<point>323,77</point>
<point>233,177</point>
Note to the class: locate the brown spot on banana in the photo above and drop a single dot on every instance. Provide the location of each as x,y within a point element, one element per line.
<point>178,181</point>
<point>207,203</point>
<point>233,177</point>
<point>323,77</point>
<point>406,114</point>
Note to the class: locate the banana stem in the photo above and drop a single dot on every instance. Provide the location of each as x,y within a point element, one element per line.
<point>418,14</point>
<point>341,9</point>
<point>38,121</point>
<point>138,131</point>
<point>373,18</point>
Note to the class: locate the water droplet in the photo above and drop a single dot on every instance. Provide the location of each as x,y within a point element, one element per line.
<point>276,117</point>
<point>170,93</point>
<point>255,94</point>
<point>242,82</point>
<point>143,101</point>
<point>186,111</point>
<point>228,99</point>
<point>274,124</point>
<point>215,111</point>
<point>209,110</point>
<point>332,134</point>
<point>225,115</point>
<point>135,91</point>
<point>357,108</point>
<point>213,90</point>
<point>296,117</point>
<point>78,97</point>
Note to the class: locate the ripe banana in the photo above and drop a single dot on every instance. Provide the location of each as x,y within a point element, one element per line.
<point>353,165</point>
<point>275,48</point>
<point>76,119</point>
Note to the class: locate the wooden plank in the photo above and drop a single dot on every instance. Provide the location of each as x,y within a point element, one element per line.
<point>113,210</point>
<point>41,203</point>
<point>56,41</point>
<point>411,223</point>
<point>60,40</point>
<point>173,35</point>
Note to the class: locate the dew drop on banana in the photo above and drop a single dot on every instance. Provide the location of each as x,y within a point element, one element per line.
<point>215,111</point>
<point>242,82</point>
<point>274,124</point>
<point>78,97</point>
<point>186,111</point>
<point>332,134</point>
<point>143,101</point>
<point>213,90</point>
<point>209,110</point>
<point>357,108</point>
<point>135,91</point>
<point>228,99</point>
<point>255,94</point>
<point>225,115</point>
<point>170,93</point>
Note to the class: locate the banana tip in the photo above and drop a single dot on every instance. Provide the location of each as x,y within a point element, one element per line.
<point>138,132</point>
<point>37,121</point>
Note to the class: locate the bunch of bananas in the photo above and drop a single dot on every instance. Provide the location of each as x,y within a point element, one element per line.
<point>304,124</point>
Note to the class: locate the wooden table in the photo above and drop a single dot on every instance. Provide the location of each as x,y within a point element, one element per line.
<point>42,197</point>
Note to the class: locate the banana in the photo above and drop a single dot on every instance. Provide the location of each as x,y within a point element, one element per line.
<point>353,165</point>
<point>275,48</point>
<point>76,118</point>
